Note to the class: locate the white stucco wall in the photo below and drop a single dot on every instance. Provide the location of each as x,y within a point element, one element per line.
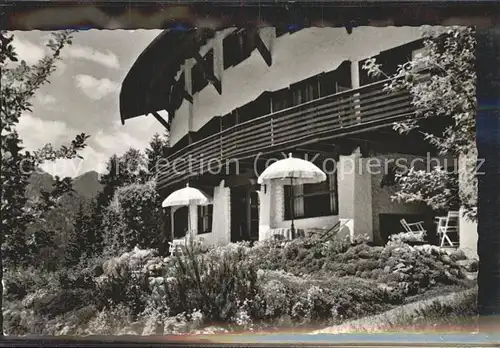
<point>355,195</point>
<point>179,126</point>
<point>296,56</point>
<point>468,236</point>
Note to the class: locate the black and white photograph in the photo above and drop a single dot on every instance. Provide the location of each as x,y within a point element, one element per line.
<point>213,182</point>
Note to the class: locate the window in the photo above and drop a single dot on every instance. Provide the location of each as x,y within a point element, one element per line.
<point>199,80</point>
<point>237,46</point>
<point>210,128</point>
<point>335,81</point>
<point>205,218</point>
<point>258,107</point>
<point>312,200</point>
<point>305,91</point>
<point>229,120</point>
<point>390,60</point>
<point>280,100</point>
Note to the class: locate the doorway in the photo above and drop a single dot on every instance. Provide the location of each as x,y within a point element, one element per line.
<point>244,214</point>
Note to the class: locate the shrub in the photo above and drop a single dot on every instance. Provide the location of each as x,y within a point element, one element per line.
<point>134,218</point>
<point>123,287</point>
<point>20,282</point>
<point>53,304</point>
<point>310,301</point>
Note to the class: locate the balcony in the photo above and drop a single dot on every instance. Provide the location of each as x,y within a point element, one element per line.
<point>353,111</point>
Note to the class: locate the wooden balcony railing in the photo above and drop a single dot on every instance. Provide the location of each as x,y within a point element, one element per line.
<point>351,111</point>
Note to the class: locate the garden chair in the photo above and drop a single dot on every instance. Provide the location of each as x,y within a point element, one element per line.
<point>416,228</point>
<point>446,225</point>
<point>177,245</point>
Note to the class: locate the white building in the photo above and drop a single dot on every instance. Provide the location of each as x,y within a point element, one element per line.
<point>239,97</point>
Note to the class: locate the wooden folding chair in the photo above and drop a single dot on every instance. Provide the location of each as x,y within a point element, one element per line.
<point>414,227</point>
<point>446,225</point>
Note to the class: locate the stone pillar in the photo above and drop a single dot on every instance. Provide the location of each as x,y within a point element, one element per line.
<point>221,222</point>
<point>355,195</point>
<point>193,216</point>
<point>264,211</point>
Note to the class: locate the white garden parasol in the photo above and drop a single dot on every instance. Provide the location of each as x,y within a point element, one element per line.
<point>187,196</point>
<point>296,171</point>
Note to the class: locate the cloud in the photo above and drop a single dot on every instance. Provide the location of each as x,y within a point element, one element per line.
<point>135,133</point>
<point>92,160</point>
<point>101,146</point>
<point>36,132</point>
<point>28,51</point>
<point>108,59</point>
<point>96,88</point>
<point>60,68</point>
<point>46,99</point>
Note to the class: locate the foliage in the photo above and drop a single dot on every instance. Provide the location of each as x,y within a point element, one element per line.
<point>448,91</point>
<point>158,147</point>
<point>121,171</point>
<point>140,292</point>
<point>84,241</point>
<point>437,188</point>
<point>214,285</point>
<point>134,218</point>
<point>19,84</point>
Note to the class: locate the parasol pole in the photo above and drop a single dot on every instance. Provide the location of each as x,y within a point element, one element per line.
<point>189,215</point>
<point>291,205</point>
<point>189,218</point>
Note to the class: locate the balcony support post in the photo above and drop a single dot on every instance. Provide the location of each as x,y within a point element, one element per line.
<point>161,120</point>
<point>355,84</point>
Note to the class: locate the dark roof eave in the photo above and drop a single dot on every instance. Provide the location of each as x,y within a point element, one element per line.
<point>153,71</point>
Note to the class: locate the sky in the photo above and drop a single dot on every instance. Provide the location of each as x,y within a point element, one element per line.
<point>83,97</point>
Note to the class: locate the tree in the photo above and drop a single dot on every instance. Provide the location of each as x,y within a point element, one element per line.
<point>156,152</point>
<point>449,92</point>
<point>123,170</point>
<point>82,240</point>
<point>134,218</point>
<point>19,83</point>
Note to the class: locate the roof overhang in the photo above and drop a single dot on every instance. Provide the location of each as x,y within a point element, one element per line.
<point>148,85</point>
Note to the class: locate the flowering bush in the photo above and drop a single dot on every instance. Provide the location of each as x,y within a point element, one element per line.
<point>408,237</point>
<point>302,282</point>
<point>213,284</point>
